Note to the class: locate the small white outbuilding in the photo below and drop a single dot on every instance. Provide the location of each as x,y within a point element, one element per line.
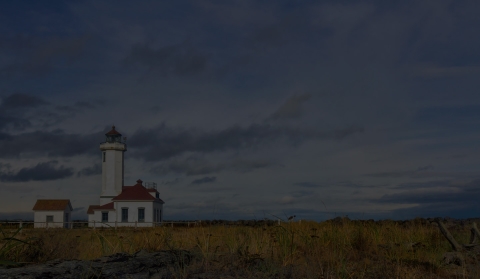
<point>52,214</point>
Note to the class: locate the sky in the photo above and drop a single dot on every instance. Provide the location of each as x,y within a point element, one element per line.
<point>245,109</point>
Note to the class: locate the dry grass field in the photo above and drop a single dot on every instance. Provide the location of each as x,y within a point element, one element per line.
<point>347,249</point>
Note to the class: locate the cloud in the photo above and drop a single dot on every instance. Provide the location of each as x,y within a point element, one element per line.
<point>176,141</point>
<point>89,171</point>
<point>180,60</point>
<point>427,184</point>
<point>20,111</point>
<point>196,166</point>
<point>292,108</point>
<point>445,193</point>
<point>301,194</point>
<point>19,100</point>
<point>398,174</point>
<point>307,184</point>
<point>287,200</point>
<point>41,143</point>
<point>13,110</point>
<point>206,179</point>
<point>38,55</point>
<point>171,182</point>
<point>430,71</point>
<point>40,172</point>
<point>449,114</point>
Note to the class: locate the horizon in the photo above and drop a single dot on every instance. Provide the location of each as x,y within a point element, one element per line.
<point>245,109</point>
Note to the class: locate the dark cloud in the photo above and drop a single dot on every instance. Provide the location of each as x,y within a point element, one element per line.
<point>13,109</point>
<point>445,192</point>
<point>89,171</point>
<point>301,194</point>
<point>206,179</point>
<point>427,184</point>
<point>292,108</point>
<point>20,111</point>
<point>398,174</point>
<point>448,199</point>
<point>49,143</point>
<point>86,105</point>
<point>171,182</point>
<point>180,60</point>
<point>196,166</point>
<point>176,141</point>
<point>307,184</point>
<point>40,172</point>
<point>39,55</point>
<point>449,114</point>
<point>357,185</point>
<point>19,100</point>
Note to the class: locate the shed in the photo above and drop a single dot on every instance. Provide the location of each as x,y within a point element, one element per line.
<point>52,214</point>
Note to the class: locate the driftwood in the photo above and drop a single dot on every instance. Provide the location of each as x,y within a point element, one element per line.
<point>457,257</point>
<point>455,246</point>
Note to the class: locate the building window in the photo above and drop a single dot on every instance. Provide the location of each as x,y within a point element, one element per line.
<point>124,214</point>
<point>49,218</point>
<point>157,195</point>
<point>104,216</point>
<point>160,215</point>
<point>104,155</point>
<point>141,215</point>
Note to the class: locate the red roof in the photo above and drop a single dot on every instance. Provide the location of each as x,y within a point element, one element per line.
<point>108,206</point>
<point>113,132</point>
<point>148,189</point>
<point>52,205</point>
<point>134,193</point>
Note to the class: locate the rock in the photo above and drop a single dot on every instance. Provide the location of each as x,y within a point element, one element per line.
<point>121,265</point>
<point>453,258</point>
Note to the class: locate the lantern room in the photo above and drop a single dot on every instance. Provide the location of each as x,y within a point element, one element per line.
<point>113,136</point>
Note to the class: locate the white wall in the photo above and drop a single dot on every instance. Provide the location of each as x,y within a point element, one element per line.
<point>95,219</point>
<point>133,213</point>
<point>158,206</point>
<point>132,206</point>
<point>40,218</point>
<point>112,170</point>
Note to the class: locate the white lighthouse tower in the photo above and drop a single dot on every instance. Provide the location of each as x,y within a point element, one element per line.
<point>112,166</point>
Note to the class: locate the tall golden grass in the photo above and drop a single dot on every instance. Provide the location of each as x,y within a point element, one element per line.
<point>351,249</point>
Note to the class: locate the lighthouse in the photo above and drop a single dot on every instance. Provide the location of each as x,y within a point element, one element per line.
<point>113,150</point>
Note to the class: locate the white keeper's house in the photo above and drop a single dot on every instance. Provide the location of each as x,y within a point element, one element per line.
<point>138,205</point>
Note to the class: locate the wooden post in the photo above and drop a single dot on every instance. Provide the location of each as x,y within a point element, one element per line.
<point>448,236</point>
<point>46,225</point>
<point>20,225</point>
<point>115,224</point>
<point>135,225</point>
<point>475,233</point>
<point>94,224</point>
